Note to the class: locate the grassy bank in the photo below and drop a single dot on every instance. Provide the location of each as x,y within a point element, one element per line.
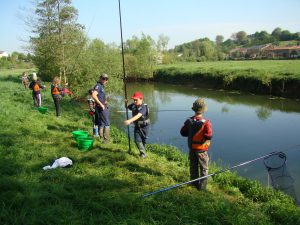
<point>275,77</point>
<point>105,185</point>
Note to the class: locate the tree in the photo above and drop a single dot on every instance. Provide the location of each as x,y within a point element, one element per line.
<point>219,39</point>
<point>97,58</point>
<point>140,56</point>
<point>241,37</point>
<point>286,36</point>
<point>276,33</point>
<point>57,39</point>
<point>162,42</point>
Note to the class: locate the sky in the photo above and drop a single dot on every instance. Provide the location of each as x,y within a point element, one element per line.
<point>180,20</point>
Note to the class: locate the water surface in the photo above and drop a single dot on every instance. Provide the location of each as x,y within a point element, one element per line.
<point>245,126</point>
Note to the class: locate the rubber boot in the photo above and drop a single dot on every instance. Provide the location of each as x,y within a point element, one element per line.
<point>106,135</point>
<point>202,185</point>
<point>142,149</point>
<point>95,131</point>
<point>101,132</point>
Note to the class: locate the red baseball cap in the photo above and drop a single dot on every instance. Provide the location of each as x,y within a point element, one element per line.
<point>137,95</point>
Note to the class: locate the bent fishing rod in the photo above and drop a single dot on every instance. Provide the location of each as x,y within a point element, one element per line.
<point>124,75</point>
<point>218,172</point>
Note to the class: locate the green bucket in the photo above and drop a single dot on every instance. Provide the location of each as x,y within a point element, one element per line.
<point>42,109</point>
<point>80,134</point>
<point>85,144</point>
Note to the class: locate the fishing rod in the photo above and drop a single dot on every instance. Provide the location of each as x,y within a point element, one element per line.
<point>124,75</point>
<point>161,110</point>
<point>212,174</point>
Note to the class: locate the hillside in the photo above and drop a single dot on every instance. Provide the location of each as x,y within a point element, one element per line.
<point>105,184</point>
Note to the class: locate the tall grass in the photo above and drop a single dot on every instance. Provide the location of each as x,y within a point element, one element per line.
<point>105,185</point>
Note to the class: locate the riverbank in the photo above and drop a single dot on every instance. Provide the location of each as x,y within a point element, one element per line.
<point>271,77</point>
<point>105,185</point>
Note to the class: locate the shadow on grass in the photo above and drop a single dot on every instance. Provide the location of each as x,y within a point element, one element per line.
<point>134,167</point>
<point>11,78</point>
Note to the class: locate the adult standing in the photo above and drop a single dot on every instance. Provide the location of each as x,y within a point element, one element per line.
<point>199,133</point>
<point>56,90</point>
<point>36,87</point>
<point>102,111</point>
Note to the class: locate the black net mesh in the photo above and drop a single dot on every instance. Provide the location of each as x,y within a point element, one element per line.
<point>279,175</point>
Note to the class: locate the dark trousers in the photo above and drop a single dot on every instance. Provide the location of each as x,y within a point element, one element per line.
<point>199,161</point>
<point>37,100</point>
<point>57,100</point>
<point>140,138</point>
<point>102,117</point>
<point>141,134</point>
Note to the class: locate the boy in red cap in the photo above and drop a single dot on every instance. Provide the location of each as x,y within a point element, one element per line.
<point>140,118</point>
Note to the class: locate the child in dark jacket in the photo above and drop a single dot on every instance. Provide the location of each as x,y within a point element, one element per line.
<point>92,110</point>
<point>36,87</point>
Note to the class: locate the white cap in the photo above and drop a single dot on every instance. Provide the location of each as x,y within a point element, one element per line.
<point>34,76</point>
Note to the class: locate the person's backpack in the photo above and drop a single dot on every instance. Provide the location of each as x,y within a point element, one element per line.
<point>36,87</point>
<point>55,91</point>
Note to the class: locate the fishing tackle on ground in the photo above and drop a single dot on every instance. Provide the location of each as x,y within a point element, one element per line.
<point>275,163</point>
<point>279,174</point>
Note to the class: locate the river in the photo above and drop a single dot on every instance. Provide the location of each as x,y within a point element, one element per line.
<point>245,126</point>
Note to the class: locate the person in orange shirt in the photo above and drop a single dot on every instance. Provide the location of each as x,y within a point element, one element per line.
<point>36,87</point>
<point>56,90</point>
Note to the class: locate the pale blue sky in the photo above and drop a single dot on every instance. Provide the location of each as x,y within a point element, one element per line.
<point>180,20</point>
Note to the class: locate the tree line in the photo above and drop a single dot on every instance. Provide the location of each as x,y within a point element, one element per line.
<point>207,50</point>
<point>16,60</point>
<point>60,47</point>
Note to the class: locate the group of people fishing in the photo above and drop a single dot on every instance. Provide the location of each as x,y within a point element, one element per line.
<point>196,128</point>
<point>57,91</point>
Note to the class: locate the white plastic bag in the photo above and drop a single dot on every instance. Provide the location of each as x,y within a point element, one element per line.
<point>61,162</point>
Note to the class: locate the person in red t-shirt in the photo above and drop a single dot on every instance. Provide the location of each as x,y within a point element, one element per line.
<point>199,133</point>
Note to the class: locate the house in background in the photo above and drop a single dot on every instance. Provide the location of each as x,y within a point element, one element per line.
<point>287,52</point>
<point>3,54</point>
<point>238,53</point>
<point>256,51</point>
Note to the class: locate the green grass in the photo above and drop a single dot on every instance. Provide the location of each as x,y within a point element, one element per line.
<point>275,77</point>
<point>254,68</point>
<point>105,185</point>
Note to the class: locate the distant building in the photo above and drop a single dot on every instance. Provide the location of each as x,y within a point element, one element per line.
<point>267,51</point>
<point>282,52</point>
<point>256,51</point>
<point>3,54</point>
<point>238,53</point>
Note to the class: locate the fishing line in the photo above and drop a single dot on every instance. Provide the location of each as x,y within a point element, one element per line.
<point>221,171</point>
<point>124,75</point>
<point>161,110</point>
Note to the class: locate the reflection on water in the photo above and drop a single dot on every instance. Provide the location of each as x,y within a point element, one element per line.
<point>245,126</point>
